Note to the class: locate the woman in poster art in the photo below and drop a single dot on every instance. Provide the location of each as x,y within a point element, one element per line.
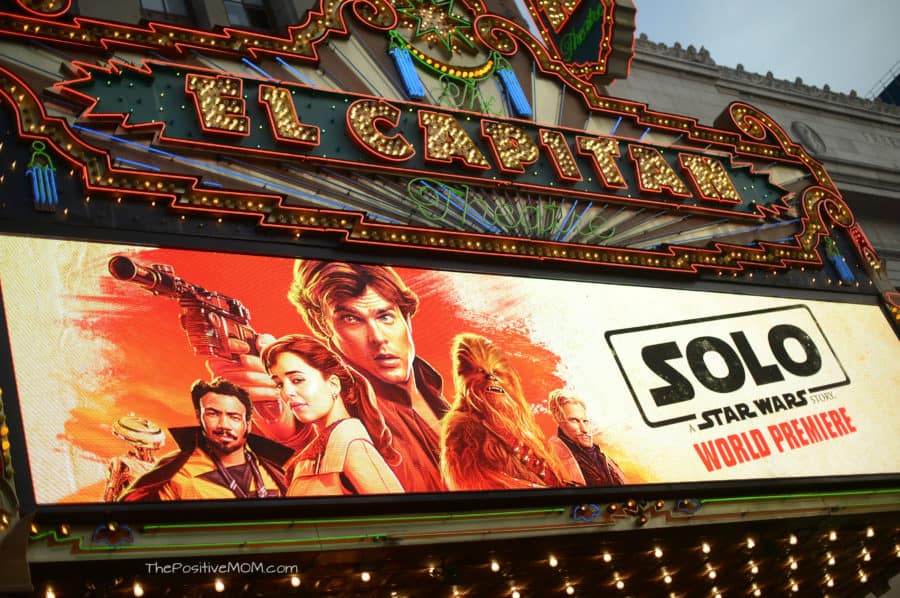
<point>322,391</point>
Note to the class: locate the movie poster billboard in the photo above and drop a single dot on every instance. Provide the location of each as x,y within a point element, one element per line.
<point>364,379</point>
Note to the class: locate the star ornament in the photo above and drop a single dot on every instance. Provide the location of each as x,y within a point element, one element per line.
<point>434,20</point>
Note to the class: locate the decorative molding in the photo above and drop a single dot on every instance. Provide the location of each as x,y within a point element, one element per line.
<point>702,57</point>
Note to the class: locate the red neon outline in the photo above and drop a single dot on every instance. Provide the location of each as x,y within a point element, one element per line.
<point>591,69</point>
<point>267,107</point>
<point>67,4</point>
<point>492,143</point>
<point>554,159</point>
<point>146,69</point>
<point>462,159</point>
<point>393,121</point>
<point>692,179</point>
<point>818,203</point>
<point>239,98</point>
<point>598,169</point>
<point>168,38</point>
<point>640,179</point>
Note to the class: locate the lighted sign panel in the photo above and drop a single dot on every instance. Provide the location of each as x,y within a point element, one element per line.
<point>712,387</point>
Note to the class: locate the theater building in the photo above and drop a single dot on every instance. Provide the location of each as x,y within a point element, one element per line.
<point>427,298</point>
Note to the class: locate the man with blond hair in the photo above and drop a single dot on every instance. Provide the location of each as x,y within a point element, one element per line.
<point>574,444</point>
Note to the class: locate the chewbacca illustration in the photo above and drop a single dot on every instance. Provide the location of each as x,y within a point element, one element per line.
<point>490,440</point>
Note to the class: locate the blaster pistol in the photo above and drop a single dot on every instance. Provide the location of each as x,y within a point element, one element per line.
<point>208,318</point>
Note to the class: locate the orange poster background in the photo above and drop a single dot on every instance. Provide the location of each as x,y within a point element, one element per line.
<point>149,365</point>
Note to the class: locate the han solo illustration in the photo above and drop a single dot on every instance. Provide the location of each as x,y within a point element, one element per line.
<point>220,459</point>
<point>364,313</point>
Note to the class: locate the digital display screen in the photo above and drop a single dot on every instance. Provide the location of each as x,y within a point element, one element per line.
<point>152,374</point>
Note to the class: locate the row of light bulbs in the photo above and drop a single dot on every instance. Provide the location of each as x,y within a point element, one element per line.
<point>553,562</point>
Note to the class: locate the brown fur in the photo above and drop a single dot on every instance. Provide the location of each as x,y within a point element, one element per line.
<point>483,425</point>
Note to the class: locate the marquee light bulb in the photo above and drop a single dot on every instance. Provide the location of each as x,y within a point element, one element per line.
<point>495,566</point>
<point>570,589</point>
<point>705,548</point>
<point>657,552</point>
<point>832,535</point>
<point>295,581</point>
<point>751,543</point>
<point>792,539</point>
<point>870,531</point>
<point>620,585</point>
<point>552,561</point>
<point>365,576</point>
<point>220,586</point>
<point>607,557</point>
<point>138,590</point>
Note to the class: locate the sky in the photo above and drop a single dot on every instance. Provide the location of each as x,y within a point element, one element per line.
<point>847,44</point>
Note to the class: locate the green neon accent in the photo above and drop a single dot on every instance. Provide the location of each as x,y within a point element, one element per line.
<point>801,495</point>
<point>454,23</point>
<point>239,543</point>
<point>354,520</point>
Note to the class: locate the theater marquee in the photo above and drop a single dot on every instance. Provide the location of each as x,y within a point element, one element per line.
<point>713,388</point>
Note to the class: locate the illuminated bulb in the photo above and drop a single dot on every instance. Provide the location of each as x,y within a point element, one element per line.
<point>867,557</point>
<point>863,577</point>
<point>657,552</point>
<point>793,565</point>
<point>870,531</point>
<point>570,589</point>
<point>832,535</point>
<point>792,539</point>
<point>607,557</point>
<point>620,585</point>
<point>553,562</point>
<point>365,576</point>
<point>667,579</point>
<point>138,590</point>
<point>295,581</point>
<point>49,593</point>
<point>753,568</point>
<point>830,583</point>
<point>712,574</point>
<point>795,587</point>
<point>750,543</point>
<point>515,594</point>
<point>220,586</point>
<point>495,566</point>
<point>757,592</point>
<point>705,548</point>
<point>831,560</point>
